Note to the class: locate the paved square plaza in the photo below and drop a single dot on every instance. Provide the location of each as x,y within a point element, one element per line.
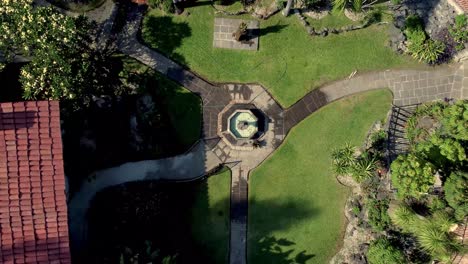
<point>223,34</point>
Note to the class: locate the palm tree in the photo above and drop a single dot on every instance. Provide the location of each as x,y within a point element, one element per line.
<point>432,233</point>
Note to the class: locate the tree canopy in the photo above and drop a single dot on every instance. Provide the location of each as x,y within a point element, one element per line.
<point>57,45</point>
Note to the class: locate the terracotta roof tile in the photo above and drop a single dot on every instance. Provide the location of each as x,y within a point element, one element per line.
<point>33,212</point>
<point>463,4</point>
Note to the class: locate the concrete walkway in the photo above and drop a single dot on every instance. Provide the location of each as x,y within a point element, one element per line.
<point>408,86</point>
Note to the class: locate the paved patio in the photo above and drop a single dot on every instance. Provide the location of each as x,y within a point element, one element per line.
<point>225,27</point>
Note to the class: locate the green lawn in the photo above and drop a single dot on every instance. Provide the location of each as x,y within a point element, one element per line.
<point>210,224</point>
<point>289,62</point>
<point>295,202</point>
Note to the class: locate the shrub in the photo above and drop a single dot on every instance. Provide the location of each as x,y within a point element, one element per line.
<point>357,5</point>
<point>456,193</point>
<point>381,251</point>
<point>428,51</point>
<point>165,5</point>
<point>459,31</point>
<point>396,2</point>
<point>413,23</point>
<point>377,213</point>
<point>364,167</point>
<point>455,120</point>
<point>420,46</point>
<point>343,159</point>
<point>412,176</point>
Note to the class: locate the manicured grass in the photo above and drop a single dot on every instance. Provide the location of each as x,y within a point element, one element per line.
<point>289,62</point>
<point>295,202</point>
<point>210,224</point>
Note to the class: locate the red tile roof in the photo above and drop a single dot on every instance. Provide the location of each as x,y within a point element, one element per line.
<point>140,2</point>
<point>463,4</point>
<point>33,209</point>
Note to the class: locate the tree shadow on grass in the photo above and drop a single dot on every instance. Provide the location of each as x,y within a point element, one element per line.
<point>271,29</point>
<point>162,33</point>
<point>280,251</point>
<point>266,217</point>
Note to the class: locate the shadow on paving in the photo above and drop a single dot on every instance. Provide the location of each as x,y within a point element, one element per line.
<point>272,249</point>
<point>162,33</point>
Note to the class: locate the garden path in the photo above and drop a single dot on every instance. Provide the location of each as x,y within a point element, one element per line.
<point>408,87</point>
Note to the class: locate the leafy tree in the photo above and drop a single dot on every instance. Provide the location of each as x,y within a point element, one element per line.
<point>377,212</point>
<point>438,149</point>
<point>411,175</point>
<point>58,46</point>
<point>381,251</point>
<point>456,193</point>
<point>455,120</point>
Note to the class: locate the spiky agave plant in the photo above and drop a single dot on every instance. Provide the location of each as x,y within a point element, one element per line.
<point>364,167</point>
<point>343,159</point>
<point>358,5</point>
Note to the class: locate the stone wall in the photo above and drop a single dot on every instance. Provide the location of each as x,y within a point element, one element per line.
<point>436,14</point>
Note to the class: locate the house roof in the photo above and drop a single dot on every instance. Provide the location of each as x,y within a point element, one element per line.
<point>463,4</point>
<point>33,208</point>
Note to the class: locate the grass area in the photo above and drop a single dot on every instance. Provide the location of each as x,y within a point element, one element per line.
<point>187,220</point>
<point>210,225</point>
<point>296,205</point>
<point>289,62</point>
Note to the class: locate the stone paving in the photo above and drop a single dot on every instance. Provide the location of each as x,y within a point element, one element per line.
<point>408,87</point>
<point>224,29</point>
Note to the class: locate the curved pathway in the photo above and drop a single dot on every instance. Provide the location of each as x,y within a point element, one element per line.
<point>407,86</point>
